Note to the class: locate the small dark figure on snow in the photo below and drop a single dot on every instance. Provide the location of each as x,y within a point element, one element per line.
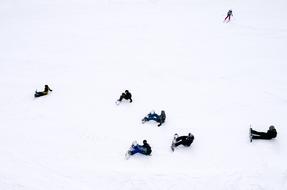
<point>144,149</point>
<point>229,14</point>
<point>182,140</point>
<point>155,117</point>
<point>45,92</point>
<point>126,95</point>
<point>271,133</point>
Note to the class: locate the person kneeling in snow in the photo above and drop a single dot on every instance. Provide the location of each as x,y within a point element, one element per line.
<point>153,116</point>
<point>271,133</point>
<point>45,92</point>
<point>182,140</point>
<point>126,95</point>
<point>144,149</point>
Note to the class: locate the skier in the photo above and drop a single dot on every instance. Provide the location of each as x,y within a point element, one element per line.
<point>144,149</point>
<point>270,134</point>
<point>45,92</point>
<point>182,140</point>
<point>153,116</point>
<point>126,95</point>
<point>229,14</point>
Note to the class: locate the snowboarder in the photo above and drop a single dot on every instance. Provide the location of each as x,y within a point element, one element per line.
<point>45,92</point>
<point>126,95</point>
<point>144,149</point>
<point>182,140</point>
<point>229,14</point>
<point>153,116</point>
<point>270,134</point>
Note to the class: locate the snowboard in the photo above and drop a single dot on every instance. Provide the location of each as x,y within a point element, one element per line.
<point>250,134</point>
<point>127,154</point>
<point>118,102</point>
<point>144,120</point>
<point>172,146</point>
<point>173,142</point>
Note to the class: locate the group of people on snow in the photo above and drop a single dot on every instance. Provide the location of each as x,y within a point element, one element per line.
<point>145,148</point>
<point>186,141</point>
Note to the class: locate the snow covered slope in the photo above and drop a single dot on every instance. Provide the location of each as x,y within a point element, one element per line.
<point>213,79</point>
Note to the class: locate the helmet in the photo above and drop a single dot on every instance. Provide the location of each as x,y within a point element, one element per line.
<point>126,91</point>
<point>144,141</point>
<point>271,127</point>
<point>134,143</point>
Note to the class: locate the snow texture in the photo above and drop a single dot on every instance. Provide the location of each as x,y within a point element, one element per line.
<point>213,79</point>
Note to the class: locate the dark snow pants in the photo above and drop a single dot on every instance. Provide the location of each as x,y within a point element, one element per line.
<point>260,135</point>
<point>227,17</point>
<point>38,94</point>
<point>138,149</point>
<point>152,116</point>
<point>181,140</point>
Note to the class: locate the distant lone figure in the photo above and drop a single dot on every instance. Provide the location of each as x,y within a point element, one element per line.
<point>229,14</point>
<point>126,95</point>
<point>182,140</point>
<point>270,134</point>
<point>45,92</point>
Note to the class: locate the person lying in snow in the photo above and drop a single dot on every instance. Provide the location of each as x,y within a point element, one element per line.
<point>45,92</point>
<point>270,134</point>
<point>155,117</point>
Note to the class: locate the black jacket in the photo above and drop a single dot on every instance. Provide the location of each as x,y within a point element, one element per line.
<point>47,89</point>
<point>148,148</point>
<point>128,95</point>
<point>272,133</point>
<point>185,140</point>
<point>162,118</point>
<point>229,13</point>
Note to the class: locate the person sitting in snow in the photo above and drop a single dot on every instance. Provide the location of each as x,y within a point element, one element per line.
<point>155,117</point>
<point>229,14</point>
<point>126,95</point>
<point>144,149</point>
<point>182,140</point>
<point>45,92</point>
<point>270,134</point>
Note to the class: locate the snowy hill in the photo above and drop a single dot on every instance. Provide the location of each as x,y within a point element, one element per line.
<point>213,79</point>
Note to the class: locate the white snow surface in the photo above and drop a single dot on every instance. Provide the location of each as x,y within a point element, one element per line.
<point>213,79</point>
